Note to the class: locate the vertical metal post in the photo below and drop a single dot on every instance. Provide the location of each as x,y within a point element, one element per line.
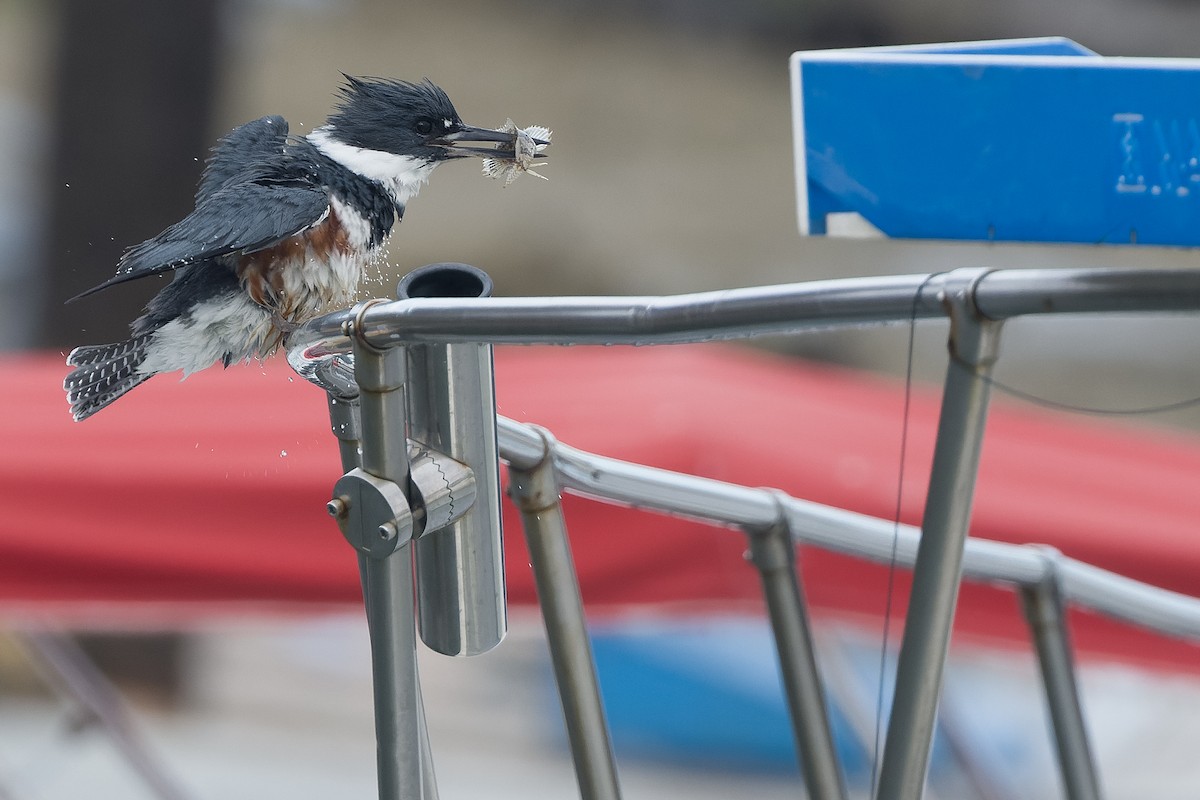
<point>773,553</point>
<point>937,572</point>
<point>535,492</point>
<point>1046,614</point>
<point>461,607</point>
<point>345,418</point>
<point>404,771</point>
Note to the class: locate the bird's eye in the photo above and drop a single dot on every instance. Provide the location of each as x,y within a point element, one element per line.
<point>424,126</point>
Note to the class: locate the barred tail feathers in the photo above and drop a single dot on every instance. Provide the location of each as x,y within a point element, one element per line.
<point>103,373</point>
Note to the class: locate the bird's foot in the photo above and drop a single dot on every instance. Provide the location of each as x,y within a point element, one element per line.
<point>284,325</point>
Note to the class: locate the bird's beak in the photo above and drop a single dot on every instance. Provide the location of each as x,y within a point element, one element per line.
<point>465,142</point>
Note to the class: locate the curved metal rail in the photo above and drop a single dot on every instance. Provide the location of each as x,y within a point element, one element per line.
<point>740,313</point>
<point>976,301</point>
<point>836,529</point>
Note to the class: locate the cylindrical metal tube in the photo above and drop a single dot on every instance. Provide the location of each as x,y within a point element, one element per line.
<point>843,531</point>
<point>774,554</point>
<point>753,311</point>
<point>1046,615</point>
<point>344,421</point>
<point>404,763</point>
<point>381,375</point>
<point>937,572</point>
<point>536,495</point>
<point>461,603</point>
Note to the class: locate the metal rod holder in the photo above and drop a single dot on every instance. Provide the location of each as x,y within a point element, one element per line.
<point>535,491</point>
<point>1045,612</point>
<point>461,604</point>
<point>773,554</point>
<point>937,573</point>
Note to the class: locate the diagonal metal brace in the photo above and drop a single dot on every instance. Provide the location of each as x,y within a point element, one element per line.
<point>1045,611</point>
<point>773,553</point>
<point>937,573</point>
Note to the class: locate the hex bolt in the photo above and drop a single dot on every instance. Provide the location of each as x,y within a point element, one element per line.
<point>387,531</point>
<point>338,506</point>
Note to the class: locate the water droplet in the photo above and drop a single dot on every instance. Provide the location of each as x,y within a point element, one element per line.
<point>283,453</point>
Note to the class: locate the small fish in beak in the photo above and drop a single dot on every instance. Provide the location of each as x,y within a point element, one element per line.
<point>528,143</point>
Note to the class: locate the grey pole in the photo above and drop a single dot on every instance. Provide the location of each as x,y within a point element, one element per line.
<point>346,422</point>
<point>754,311</point>
<point>937,572</point>
<point>1046,615</point>
<point>773,553</point>
<point>535,492</point>
<point>405,772</point>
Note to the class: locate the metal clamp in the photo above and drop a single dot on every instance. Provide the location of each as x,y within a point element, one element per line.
<point>352,327</point>
<point>373,513</point>
<point>375,516</point>
<point>444,489</point>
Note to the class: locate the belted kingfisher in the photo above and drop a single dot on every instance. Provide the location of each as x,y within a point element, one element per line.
<point>282,230</point>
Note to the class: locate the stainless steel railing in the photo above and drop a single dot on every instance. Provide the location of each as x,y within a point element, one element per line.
<point>385,511</point>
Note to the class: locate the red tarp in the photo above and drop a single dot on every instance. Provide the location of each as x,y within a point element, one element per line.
<point>188,495</point>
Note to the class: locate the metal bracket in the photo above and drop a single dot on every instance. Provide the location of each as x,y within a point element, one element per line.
<point>771,548</point>
<point>536,489</point>
<point>974,338</point>
<point>352,327</point>
<point>1049,586</point>
<point>372,513</point>
<point>376,517</point>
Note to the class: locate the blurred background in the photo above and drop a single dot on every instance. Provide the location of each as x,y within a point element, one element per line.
<point>671,171</point>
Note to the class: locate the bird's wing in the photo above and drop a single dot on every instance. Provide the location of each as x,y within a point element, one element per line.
<point>241,217</point>
<point>256,142</point>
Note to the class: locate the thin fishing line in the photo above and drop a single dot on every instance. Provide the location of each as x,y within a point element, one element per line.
<point>1029,397</point>
<point>891,578</point>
